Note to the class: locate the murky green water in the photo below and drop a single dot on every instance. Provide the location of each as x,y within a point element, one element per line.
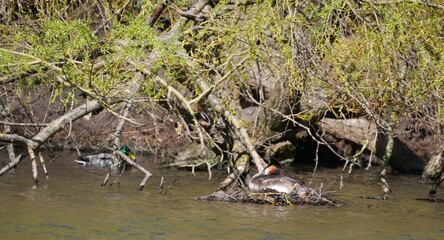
<point>74,206</point>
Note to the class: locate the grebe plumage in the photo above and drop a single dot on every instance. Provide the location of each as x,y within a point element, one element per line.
<point>269,180</point>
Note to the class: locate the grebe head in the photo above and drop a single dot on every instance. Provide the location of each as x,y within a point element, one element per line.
<point>270,170</point>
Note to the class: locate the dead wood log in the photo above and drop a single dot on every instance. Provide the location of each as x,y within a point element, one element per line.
<point>357,130</point>
<point>365,133</point>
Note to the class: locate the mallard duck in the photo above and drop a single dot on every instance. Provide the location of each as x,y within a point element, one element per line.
<point>104,159</point>
<point>269,180</point>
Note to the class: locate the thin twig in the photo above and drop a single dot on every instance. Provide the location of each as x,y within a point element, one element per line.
<point>162,182</point>
<point>170,186</point>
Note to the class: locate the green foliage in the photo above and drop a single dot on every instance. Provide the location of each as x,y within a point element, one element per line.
<point>363,56</point>
<point>62,40</point>
<point>394,61</point>
<point>62,47</point>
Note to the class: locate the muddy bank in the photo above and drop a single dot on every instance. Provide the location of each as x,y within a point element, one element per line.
<point>149,130</point>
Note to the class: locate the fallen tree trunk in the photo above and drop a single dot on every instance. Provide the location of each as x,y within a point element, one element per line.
<point>357,130</point>
<point>365,133</point>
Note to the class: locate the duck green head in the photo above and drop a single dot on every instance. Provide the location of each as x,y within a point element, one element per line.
<point>127,151</point>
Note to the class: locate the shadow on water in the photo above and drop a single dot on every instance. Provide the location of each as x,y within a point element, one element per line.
<point>74,206</point>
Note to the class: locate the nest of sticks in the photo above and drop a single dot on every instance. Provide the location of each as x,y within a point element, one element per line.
<point>311,197</point>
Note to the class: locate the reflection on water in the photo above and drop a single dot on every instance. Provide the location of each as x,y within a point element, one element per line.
<point>74,206</point>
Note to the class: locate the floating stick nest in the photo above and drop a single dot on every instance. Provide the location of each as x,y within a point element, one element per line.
<point>312,197</point>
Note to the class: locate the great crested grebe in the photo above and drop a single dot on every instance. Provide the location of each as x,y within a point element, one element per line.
<point>104,159</point>
<point>269,180</point>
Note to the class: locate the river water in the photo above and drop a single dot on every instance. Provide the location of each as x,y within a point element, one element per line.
<point>73,205</point>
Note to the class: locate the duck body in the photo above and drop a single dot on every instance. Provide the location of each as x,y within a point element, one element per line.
<point>104,160</point>
<point>98,160</point>
<point>269,180</point>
